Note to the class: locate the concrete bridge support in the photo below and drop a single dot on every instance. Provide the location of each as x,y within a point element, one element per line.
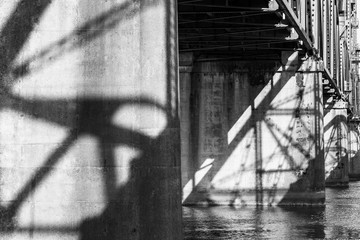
<point>336,143</point>
<point>258,135</point>
<point>89,132</point>
<point>354,153</point>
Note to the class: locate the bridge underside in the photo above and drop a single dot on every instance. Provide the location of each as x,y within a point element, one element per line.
<point>234,30</point>
<point>252,107</point>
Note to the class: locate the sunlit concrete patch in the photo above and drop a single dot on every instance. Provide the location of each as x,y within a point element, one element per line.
<point>60,213</point>
<point>236,172</point>
<point>153,53</point>
<point>149,120</point>
<point>45,220</point>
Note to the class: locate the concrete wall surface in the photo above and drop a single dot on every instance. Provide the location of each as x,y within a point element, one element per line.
<point>257,137</point>
<point>89,132</point>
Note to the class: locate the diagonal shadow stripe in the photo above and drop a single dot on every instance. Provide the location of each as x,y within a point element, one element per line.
<point>17,30</point>
<point>334,122</point>
<point>41,174</point>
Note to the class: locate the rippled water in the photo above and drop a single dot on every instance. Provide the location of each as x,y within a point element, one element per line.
<point>339,219</point>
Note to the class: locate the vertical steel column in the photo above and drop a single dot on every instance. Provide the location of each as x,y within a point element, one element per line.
<point>336,48</point>
<point>332,39</point>
<point>326,38</point>
<point>315,23</point>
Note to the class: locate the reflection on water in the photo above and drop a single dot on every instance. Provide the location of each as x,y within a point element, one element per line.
<point>340,218</point>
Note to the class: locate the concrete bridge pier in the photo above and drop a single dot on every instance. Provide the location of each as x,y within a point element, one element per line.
<point>336,143</point>
<point>258,133</point>
<point>89,126</point>
<point>354,151</point>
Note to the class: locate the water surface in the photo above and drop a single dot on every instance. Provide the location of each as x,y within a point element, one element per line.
<point>339,219</point>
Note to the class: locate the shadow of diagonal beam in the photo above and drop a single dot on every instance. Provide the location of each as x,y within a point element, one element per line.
<point>335,121</point>
<point>88,122</point>
<point>79,37</point>
<point>41,174</point>
<point>109,134</point>
<point>17,30</point>
<point>257,115</point>
<point>331,140</point>
<point>55,110</point>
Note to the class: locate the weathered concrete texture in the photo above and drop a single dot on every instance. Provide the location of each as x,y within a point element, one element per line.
<point>354,153</point>
<point>185,119</point>
<point>89,132</point>
<point>260,138</point>
<point>336,143</point>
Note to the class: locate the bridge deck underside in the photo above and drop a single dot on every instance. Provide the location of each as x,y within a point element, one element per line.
<point>234,30</point>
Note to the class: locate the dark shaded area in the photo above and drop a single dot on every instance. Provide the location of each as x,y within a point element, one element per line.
<point>233,30</point>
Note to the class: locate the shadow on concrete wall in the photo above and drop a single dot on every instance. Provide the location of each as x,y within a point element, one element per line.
<point>336,149</point>
<point>307,180</point>
<point>130,211</point>
<point>353,151</point>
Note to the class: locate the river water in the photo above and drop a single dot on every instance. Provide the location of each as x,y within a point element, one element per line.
<point>338,219</point>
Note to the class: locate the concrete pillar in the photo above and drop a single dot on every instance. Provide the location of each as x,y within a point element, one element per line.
<point>89,130</point>
<point>185,71</point>
<point>211,125</point>
<point>336,143</point>
<point>357,85</point>
<point>260,134</point>
<point>354,153</point>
